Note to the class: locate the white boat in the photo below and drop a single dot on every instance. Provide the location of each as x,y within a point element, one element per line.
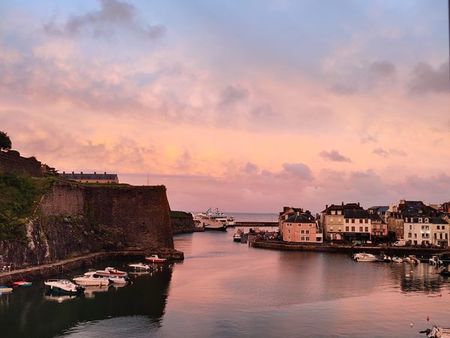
<point>365,257</point>
<point>155,259</point>
<point>396,259</point>
<point>212,220</point>
<point>237,237</point>
<point>63,286</point>
<point>111,272</point>
<point>92,278</point>
<point>435,260</point>
<point>437,332</point>
<point>119,280</point>
<point>5,289</point>
<point>140,267</point>
<point>230,221</point>
<point>411,259</point>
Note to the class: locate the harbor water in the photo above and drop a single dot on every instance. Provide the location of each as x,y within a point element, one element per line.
<point>227,289</point>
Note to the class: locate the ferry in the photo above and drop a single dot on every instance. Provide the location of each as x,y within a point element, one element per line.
<point>213,220</point>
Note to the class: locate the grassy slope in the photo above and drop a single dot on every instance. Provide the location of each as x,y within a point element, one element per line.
<point>18,197</point>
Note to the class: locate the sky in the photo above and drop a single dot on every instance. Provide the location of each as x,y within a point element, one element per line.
<point>242,105</point>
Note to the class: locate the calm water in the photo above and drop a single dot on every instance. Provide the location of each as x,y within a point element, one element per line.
<point>225,289</point>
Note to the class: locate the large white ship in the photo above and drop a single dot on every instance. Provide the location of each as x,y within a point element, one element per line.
<point>213,220</point>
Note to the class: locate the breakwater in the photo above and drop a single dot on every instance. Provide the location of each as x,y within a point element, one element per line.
<point>256,224</point>
<point>348,249</point>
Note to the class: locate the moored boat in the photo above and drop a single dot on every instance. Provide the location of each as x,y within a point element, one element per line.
<point>437,332</point>
<point>21,283</point>
<point>435,260</point>
<point>214,220</point>
<point>365,257</point>
<point>111,272</point>
<point>396,259</point>
<point>63,286</point>
<point>92,278</point>
<point>237,237</point>
<point>140,267</point>
<point>5,289</point>
<point>155,259</point>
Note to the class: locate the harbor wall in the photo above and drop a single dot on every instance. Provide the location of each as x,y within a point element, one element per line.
<point>73,219</point>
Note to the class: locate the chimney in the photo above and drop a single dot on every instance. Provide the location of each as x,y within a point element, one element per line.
<point>342,203</point>
<point>73,173</point>
<point>105,172</point>
<point>64,172</point>
<point>95,173</point>
<point>358,204</point>
<point>81,173</point>
<point>326,206</point>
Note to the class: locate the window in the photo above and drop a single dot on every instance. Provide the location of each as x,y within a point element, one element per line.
<point>347,229</point>
<point>406,219</point>
<point>435,235</point>
<point>366,221</point>
<point>333,212</point>
<point>446,236</point>
<point>360,229</point>
<point>346,220</point>
<point>367,229</point>
<point>409,235</point>
<point>443,227</point>
<point>307,231</point>
<point>438,227</point>
<point>353,220</point>
<point>415,235</point>
<point>420,220</point>
<point>302,238</point>
<point>339,212</point>
<point>307,239</point>
<point>426,220</point>
<point>360,221</point>
<point>302,231</point>
<point>353,229</point>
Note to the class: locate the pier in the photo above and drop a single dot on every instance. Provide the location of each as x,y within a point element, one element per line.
<point>256,224</point>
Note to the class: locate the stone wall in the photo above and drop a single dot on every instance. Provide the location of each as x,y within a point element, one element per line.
<point>12,162</point>
<point>74,219</point>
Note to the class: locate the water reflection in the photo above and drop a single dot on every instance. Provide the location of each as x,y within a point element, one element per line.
<point>29,312</point>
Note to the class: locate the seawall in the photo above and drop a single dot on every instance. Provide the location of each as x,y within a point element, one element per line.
<point>74,219</point>
<point>182,222</point>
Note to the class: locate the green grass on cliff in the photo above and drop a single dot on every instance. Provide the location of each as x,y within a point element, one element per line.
<point>18,197</point>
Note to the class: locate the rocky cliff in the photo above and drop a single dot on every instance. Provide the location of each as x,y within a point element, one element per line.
<point>71,219</point>
<point>182,222</point>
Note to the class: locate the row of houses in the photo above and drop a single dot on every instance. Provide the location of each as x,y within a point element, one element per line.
<point>411,221</point>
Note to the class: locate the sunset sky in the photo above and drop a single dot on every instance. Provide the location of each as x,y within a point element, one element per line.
<point>242,105</point>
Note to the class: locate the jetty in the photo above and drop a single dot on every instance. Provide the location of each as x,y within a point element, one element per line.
<point>256,224</point>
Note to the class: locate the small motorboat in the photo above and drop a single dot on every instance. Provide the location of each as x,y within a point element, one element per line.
<point>396,259</point>
<point>435,260</point>
<point>437,332</point>
<point>92,278</point>
<point>63,286</point>
<point>365,257</point>
<point>140,267</point>
<point>444,272</point>
<point>21,283</point>
<point>111,272</point>
<point>237,237</point>
<point>119,280</point>
<point>155,259</point>
<point>412,259</point>
<point>384,258</point>
<point>5,289</point>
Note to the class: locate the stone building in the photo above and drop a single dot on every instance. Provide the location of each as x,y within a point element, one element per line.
<point>298,226</point>
<point>91,178</point>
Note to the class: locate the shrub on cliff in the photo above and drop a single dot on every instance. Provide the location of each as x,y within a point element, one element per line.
<point>18,197</point>
<point>5,141</point>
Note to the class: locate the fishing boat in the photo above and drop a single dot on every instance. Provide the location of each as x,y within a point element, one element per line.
<point>63,286</point>
<point>140,267</point>
<point>365,257</point>
<point>155,259</point>
<point>21,283</point>
<point>5,289</point>
<point>92,278</point>
<point>437,332</point>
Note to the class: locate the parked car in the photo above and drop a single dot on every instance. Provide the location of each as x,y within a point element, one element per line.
<point>400,242</point>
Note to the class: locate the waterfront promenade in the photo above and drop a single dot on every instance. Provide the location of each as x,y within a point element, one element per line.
<point>348,249</point>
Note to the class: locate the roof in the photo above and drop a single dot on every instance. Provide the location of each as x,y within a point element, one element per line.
<point>342,206</point>
<point>302,218</point>
<point>355,213</point>
<point>416,209</point>
<point>94,176</point>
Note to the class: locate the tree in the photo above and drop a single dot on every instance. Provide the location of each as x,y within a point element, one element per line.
<point>5,141</point>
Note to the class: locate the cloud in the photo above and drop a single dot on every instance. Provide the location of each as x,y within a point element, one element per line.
<point>232,95</point>
<point>298,170</point>
<point>334,156</point>
<point>427,79</point>
<point>382,69</point>
<point>369,139</point>
<point>113,14</point>
<point>388,152</point>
